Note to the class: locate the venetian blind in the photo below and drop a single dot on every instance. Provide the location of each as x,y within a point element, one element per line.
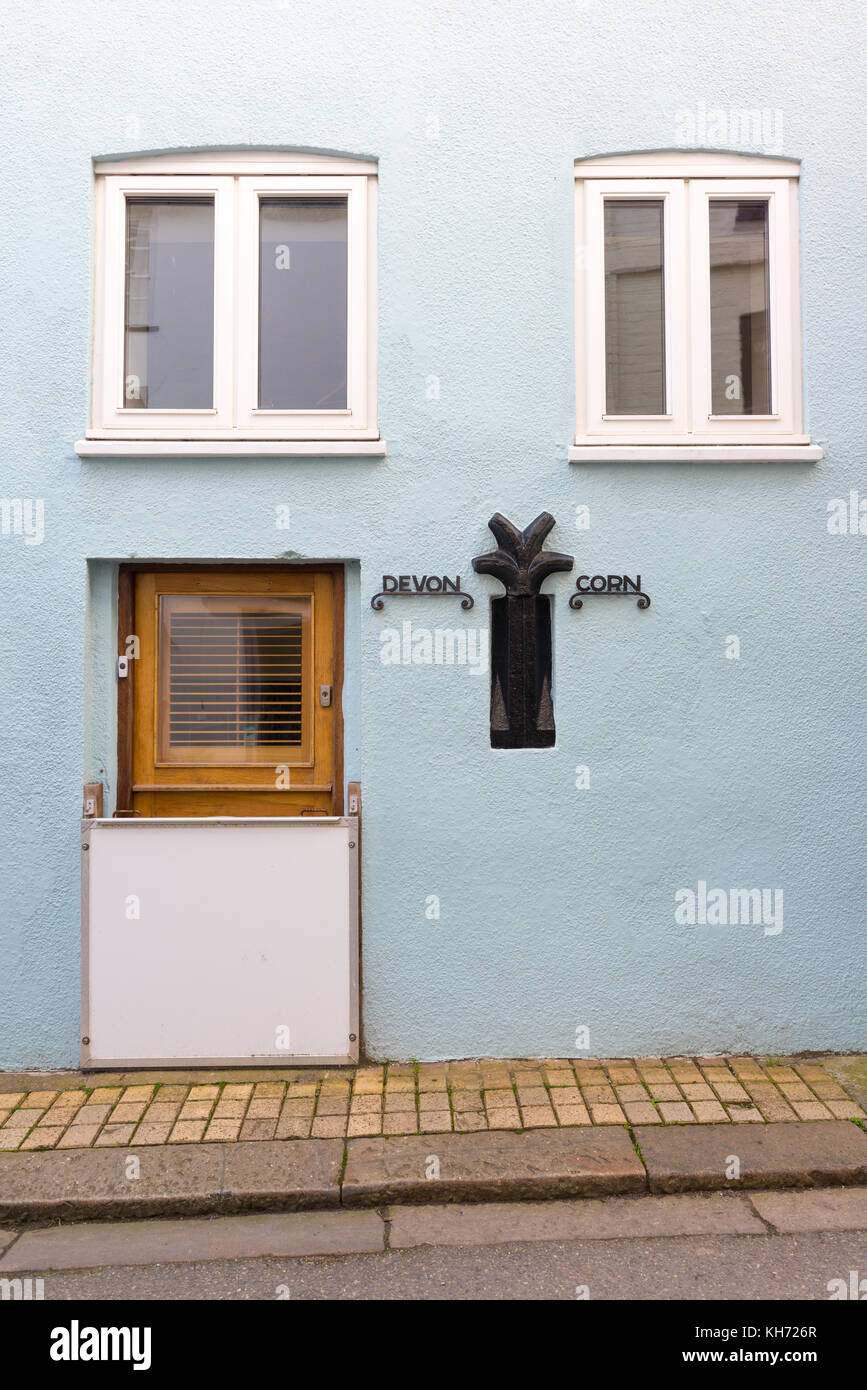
<point>235,678</point>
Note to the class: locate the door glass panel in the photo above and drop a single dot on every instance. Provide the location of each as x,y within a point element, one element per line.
<point>169,304</point>
<point>302,304</point>
<point>634,307</point>
<point>739,307</point>
<point>234,679</point>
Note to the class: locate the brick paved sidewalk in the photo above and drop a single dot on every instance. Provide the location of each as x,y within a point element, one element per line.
<point>72,1112</point>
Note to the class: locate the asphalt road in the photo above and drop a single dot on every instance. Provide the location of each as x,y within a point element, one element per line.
<point>685,1267</point>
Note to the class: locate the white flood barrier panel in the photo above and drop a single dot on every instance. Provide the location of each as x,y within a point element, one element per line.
<point>221,941</point>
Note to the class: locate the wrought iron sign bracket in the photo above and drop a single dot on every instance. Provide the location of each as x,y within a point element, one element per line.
<point>608,586</point>
<point>424,586</point>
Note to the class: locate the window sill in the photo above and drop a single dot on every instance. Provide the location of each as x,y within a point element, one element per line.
<point>230,448</point>
<point>695,453</point>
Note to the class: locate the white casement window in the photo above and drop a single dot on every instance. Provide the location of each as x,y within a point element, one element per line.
<point>688,308</point>
<point>235,305</point>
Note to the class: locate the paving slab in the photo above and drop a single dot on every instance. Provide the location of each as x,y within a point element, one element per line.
<point>91,1245</point>
<point>186,1179</point>
<point>832,1209</point>
<point>588,1218</point>
<point>499,1166</point>
<point>281,1174</point>
<point>198,1076</point>
<point>167,1076</point>
<point>43,1080</point>
<point>851,1072</point>
<point>81,1183</point>
<point>805,1153</point>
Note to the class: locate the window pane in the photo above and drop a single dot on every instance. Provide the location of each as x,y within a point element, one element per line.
<point>169,337</point>
<point>233,675</point>
<point>739,308</point>
<point>302,304</point>
<point>634,307</point>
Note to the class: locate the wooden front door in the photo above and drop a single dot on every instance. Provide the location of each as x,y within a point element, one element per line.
<point>233,707</point>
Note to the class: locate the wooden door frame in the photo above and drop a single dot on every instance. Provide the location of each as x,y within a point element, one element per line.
<point>126,687</point>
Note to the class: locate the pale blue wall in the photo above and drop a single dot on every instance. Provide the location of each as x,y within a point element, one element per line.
<point>557,904</point>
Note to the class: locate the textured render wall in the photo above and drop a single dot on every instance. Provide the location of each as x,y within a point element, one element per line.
<point>557,904</point>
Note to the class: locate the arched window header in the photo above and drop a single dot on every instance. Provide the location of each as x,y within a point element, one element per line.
<point>244,161</point>
<point>686,164</point>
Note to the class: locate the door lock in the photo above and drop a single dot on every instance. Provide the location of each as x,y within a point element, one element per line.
<point>325,696</point>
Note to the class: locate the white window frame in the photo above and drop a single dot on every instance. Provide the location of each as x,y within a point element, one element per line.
<point>784,360</point>
<point>108,355</point>
<point>671,193</point>
<point>236,182</point>
<point>280,424</point>
<point>687,183</point>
